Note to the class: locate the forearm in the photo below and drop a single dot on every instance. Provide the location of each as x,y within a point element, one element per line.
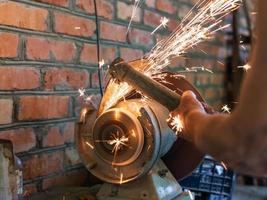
<point>223,137</point>
<point>213,134</point>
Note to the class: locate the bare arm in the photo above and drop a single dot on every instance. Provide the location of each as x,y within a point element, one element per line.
<point>239,139</point>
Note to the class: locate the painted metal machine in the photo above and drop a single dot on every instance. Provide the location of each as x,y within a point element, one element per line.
<point>130,146</point>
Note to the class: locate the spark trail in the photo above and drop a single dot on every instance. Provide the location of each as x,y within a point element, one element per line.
<point>199,25</point>
<point>136,5</point>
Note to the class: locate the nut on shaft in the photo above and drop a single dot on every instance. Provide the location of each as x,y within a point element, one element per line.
<point>123,72</point>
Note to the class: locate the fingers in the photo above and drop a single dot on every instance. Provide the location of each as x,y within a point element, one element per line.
<point>188,104</point>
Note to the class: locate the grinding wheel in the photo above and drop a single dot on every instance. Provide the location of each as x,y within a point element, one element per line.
<point>183,157</point>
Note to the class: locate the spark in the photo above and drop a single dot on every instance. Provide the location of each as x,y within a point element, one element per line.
<point>101,63</point>
<point>176,123</point>
<point>224,166</point>
<point>117,142</point>
<point>195,28</point>
<point>88,99</point>
<point>243,47</point>
<point>81,92</point>
<point>196,69</point>
<point>221,63</point>
<point>121,178</point>
<point>245,67</point>
<point>190,194</point>
<point>226,109</point>
<point>91,146</point>
<point>163,23</point>
<point>133,133</point>
<point>203,69</point>
<point>134,11</point>
<point>83,115</point>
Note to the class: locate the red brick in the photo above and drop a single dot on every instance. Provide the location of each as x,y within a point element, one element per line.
<point>53,138</point>
<point>23,16</point>
<point>108,53</point>
<point>190,78</point>
<point>130,54</point>
<point>217,79</point>
<point>203,78</point>
<point>72,25</point>
<point>68,131</point>
<point>124,11</point>
<point>113,32</point>
<point>178,62</point>
<point>183,10</point>
<point>210,93</point>
<point>89,53</point>
<point>151,18</point>
<point>43,107</point>
<point>6,110</point>
<point>95,82</point>
<point>23,139</point>
<point>104,8</point>
<point>86,5</point>
<point>63,3</point>
<point>73,178</point>
<point>141,37</point>
<point>166,6</point>
<point>151,3</point>
<point>19,78</point>
<point>66,79</point>
<point>58,134</point>
<point>41,165</point>
<point>9,45</point>
<point>44,49</point>
<point>172,24</point>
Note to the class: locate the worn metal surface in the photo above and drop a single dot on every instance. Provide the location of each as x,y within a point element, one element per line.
<point>183,151</point>
<point>159,184</point>
<point>151,140</point>
<point>148,138</point>
<point>8,181</point>
<point>123,72</point>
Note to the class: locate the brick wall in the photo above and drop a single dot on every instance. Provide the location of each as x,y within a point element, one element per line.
<point>48,52</point>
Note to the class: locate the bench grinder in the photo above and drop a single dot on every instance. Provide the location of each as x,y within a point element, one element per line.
<point>130,146</point>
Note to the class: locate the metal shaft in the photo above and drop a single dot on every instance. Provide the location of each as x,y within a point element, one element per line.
<point>123,72</point>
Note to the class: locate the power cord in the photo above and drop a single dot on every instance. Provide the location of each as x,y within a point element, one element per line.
<point>98,49</point>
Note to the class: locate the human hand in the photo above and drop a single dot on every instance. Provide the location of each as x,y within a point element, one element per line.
<point>188,106</point>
